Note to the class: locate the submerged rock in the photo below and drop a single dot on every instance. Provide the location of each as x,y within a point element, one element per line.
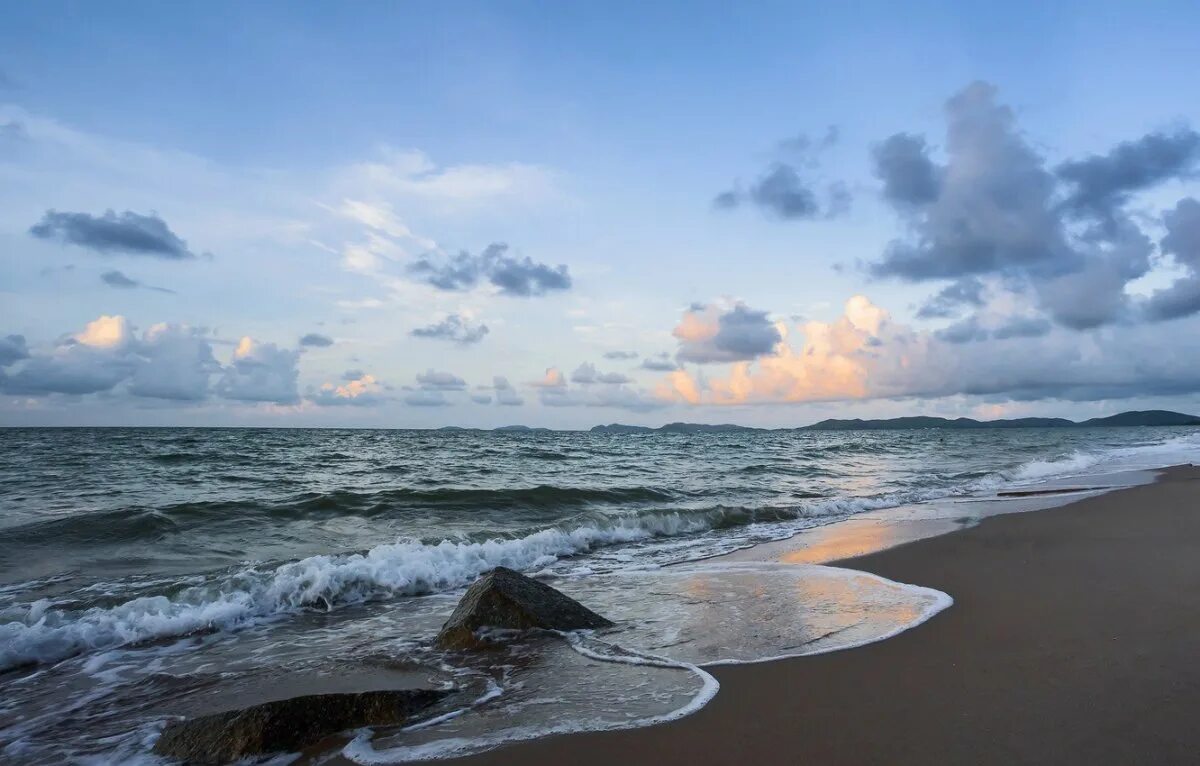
<point>506,599</point>
<point>287,725</point>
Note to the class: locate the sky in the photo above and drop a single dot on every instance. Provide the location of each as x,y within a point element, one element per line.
<point>564,214</point>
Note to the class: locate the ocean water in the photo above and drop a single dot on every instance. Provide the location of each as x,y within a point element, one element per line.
<point>152,573</point>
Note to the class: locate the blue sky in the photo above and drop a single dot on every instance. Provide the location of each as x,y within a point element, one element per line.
<point>277,171</point>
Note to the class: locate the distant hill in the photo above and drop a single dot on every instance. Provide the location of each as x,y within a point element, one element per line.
<point>621,428</point>
<point>1146,418</point>
<point>671,428</point>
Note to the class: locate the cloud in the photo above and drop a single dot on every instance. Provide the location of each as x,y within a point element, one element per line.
<point>554,391</point>
<point>119,280</point>
<point>361,391</point>
<point>552,379</point>
<point>168,361</point>
<point>784,193</point>
<point>94,360</point>
<point>994,209</point>
<point>661,362</point>
<point>787,190</point>
<point>128,233</point>
<point>380,217</point>
<point>967,291</point>
<point>966,331</point>
<point>432,380</point>
<point>709,334</point>
<point>620,355</point>
<point>175,362</point>
<point>412,174</point>
<point>520,277</point>
<point>12,349</point>
<point>506,395</point>
<point>1101,184</point>
<point>1022,327</point>
<point>261,372</point>
<point>423,398</point>
<point>865,355</point>
<point>1182,242</point>
<point>909,176</point>
<point>586,374</point>
<point>455,328</point>
<point>316,340</point>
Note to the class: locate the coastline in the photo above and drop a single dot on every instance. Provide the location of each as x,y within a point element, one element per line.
<point>1069,641</point>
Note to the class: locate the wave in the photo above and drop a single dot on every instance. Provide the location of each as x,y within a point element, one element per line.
<point>40,632</point>
<point>146,523</point>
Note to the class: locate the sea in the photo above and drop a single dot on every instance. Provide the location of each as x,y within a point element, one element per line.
<point>153,574</point>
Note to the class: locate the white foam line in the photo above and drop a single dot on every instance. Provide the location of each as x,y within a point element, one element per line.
<point>361,751</point>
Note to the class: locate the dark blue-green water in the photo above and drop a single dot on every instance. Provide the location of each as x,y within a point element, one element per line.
<point>112,540</point>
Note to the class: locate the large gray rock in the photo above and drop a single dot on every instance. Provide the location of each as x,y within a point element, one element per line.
<point>506,599</point>
<point>287,725</point>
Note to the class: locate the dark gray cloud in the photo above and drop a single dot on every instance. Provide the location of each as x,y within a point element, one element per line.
<point>1182,242</point>
<point>909,176</point>
<point>261,372</point>
<point>128,232</point>
<point>950,300</point>
<point>426,398</point>
<point>994,209</point>
<point>75,370</point>
<point>620,355</point>
<point>506,395</point>
<point>352,374</point>
<point>455,328</point>
<point>1103,183</point>
<point>316,340</point>
<point>660,363</point>
<point>587,374</point>
<point>966,331</point>
<point>119,280</point>
<point>783,192</point>
<point>1022,327</point>
<point>1181,299</point>
<point>433,380</point>
<point>174,362</point>
<point>520,277</point>
<point>12,349</point>
<point>789,189</point>
<point>167,362</point>
<point>739,334</point>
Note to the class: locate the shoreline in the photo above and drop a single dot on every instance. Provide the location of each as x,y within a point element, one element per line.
<point>1069,641</point>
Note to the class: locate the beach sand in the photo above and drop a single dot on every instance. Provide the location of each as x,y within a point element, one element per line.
<point>1074,638</point>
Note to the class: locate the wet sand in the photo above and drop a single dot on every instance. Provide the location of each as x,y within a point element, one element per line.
<point>1074,638</point>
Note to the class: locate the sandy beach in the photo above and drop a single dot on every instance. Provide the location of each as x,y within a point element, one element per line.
<point>1072,640</point>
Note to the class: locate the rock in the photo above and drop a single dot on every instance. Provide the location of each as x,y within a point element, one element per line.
<point>287,725</point>
<point>506,599</point>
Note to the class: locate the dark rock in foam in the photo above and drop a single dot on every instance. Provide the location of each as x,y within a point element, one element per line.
<point>287,725</point>
<point>506,599</point>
